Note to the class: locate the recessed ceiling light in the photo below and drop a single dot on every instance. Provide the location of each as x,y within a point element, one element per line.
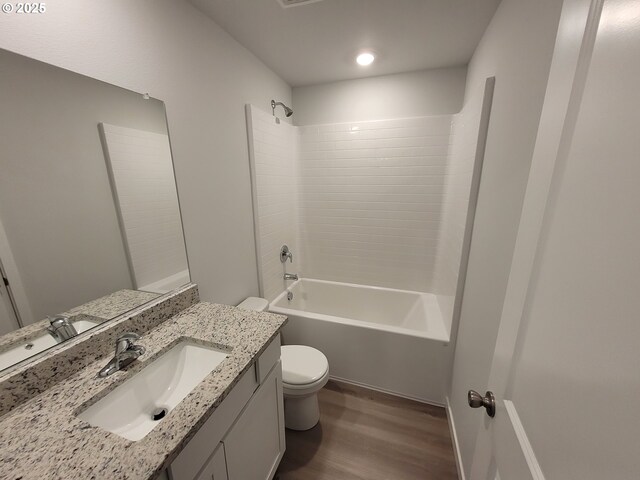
<point>365,58</point>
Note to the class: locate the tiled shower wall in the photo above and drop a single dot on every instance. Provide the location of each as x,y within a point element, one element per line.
<point>379,203</point>
<point>141,172</point>
<point>272,151</point>
<point>371,197</point>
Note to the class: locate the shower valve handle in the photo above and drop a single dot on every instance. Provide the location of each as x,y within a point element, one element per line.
<point>285,253</point>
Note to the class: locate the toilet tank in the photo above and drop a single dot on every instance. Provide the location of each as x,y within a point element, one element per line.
<point>254,303</point>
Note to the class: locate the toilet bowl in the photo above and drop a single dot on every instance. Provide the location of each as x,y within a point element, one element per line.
<point>305,370</point>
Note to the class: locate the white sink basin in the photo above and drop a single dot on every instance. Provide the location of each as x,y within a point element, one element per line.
<point>25,350</point>
<point>84,325</point>
<point>38,344</point>
<point>129,410</point>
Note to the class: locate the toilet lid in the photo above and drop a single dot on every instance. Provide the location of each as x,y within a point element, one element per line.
<point>302,365</point>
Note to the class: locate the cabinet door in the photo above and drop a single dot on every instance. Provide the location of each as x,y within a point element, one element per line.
<point>195,454</point>
<point>255,444</point>
<point>216,467</point>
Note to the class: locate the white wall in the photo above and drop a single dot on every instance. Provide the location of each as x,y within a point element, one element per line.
<point>517,50</point>
<point>175,53</point>
<point>371,196</point>
<point>273,169</point>
<point>413,94</point>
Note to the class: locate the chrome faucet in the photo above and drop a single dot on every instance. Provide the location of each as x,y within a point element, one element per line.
<point>126,352</point>
<point>291,276</point>
<point>61,328</point>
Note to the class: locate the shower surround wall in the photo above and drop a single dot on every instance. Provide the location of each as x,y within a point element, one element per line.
<point>272,152</point>
<point>379,203</point>
<point>460,169</point>
<point>371,196</point>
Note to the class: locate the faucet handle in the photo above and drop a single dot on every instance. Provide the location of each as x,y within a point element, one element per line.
<point>286,253</point>
<point>56,320</point>
<point>128,336</point>
<point>125,341</point>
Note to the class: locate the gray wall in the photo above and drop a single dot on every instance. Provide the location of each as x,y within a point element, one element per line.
<point>175,53</point>
<point>56,204</point>
<point>413,94</point>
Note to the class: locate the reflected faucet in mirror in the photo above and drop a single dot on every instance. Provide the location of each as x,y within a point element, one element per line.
<point>61,328</point>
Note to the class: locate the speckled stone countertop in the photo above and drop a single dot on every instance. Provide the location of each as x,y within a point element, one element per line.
<point>98,310</point>
<point>44,439</point>
<point>114,304</point>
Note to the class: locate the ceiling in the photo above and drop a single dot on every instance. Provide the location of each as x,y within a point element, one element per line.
<point>317,42</point>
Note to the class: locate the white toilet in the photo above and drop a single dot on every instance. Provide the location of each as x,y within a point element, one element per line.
<point>305,371</point>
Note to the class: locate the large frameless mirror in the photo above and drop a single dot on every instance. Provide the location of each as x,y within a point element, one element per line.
<point>90,225</point>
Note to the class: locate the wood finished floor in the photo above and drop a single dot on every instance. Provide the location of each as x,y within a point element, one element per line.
<point>369,435</point>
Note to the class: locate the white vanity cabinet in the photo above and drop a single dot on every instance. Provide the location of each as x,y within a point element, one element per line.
<point>244,437</point>
<point>255,444</point>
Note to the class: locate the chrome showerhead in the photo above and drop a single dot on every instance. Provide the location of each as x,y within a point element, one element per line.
<point>287,111</point>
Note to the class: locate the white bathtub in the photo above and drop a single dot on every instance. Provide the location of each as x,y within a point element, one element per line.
<point>390,340</point>
<point>167,284</point>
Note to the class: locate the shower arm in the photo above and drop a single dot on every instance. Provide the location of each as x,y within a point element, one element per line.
<point>287,111</point>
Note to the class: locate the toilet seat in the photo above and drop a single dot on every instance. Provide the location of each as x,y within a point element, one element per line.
<point>302,365</point>
<point>304,390</point>
<point>304,369</point>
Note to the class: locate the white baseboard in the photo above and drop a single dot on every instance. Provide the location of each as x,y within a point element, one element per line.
<point>390,392</point>
<point>454,437</point>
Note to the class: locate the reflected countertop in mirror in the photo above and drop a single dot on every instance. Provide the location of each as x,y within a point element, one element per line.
<point>26,342</point>
<point>88,203</point>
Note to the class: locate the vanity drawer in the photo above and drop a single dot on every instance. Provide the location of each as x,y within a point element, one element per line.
<point>268,359</point>
<point>192,458</point>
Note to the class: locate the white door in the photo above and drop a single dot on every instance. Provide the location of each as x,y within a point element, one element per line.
<point>566,370</point>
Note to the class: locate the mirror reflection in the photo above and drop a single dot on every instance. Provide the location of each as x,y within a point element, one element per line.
<point>90,224</point>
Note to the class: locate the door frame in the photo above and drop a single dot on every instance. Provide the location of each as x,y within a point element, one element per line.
<point>8,300</point>
<point>16,288</point>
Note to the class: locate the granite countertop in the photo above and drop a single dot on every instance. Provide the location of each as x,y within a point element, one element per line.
<point>44,439</point>
<point>114,304</point>
<point>99,310</point>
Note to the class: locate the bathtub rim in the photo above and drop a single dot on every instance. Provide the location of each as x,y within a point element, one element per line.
<point>441,337</point>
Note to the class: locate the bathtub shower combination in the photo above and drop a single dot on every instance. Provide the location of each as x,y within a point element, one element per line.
<point>374,215</point>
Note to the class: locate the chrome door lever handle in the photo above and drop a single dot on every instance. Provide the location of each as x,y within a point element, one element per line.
<point>488,401</point>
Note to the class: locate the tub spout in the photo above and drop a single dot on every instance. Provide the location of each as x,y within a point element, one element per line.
<point>291,276</point>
